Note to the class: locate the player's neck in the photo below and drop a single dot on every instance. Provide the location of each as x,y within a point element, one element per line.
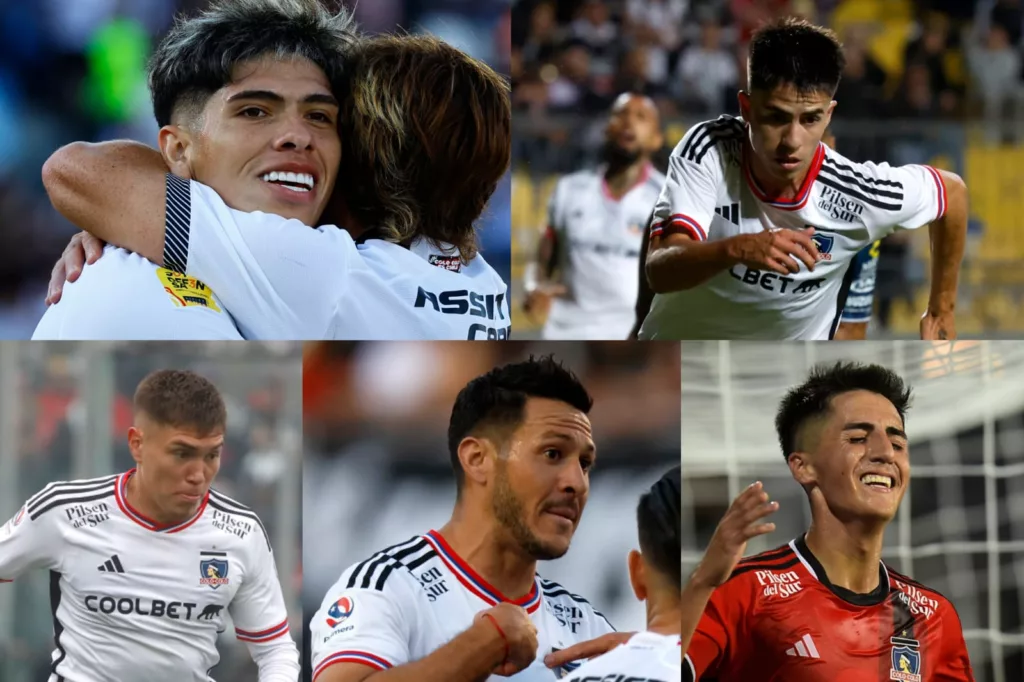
<point>621,179</point>
<point>137,498</point>
<point>480,543</point>
<point>849,553</point>
<point>664,615</point>
<point>773,187</point>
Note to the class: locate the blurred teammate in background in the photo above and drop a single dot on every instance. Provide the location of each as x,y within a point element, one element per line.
<point>143,564</point>
<point>405,266</point>
<point>245,90</point>
<point>584,277</point>
<point>824,605</point>
<point>434,608</point>
<point>655,573</point>
<point>758,222</point>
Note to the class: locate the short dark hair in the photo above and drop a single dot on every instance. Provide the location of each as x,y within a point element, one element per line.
<point>658,520</point>
<point>796,52</point>
<point>498,399</point>
<point>181,398</point>
<point>197,57</point>
<point>814,397</point>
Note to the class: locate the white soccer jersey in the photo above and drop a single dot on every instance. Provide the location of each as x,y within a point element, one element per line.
<point>133,600</point>
<point>710,194</point>
<point>124,297</point>
<point>283,280</point>
<point>646,657</point>
<point>597,241</point>
<point>405,602</point>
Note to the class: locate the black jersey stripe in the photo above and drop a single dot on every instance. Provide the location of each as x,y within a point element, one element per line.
<point>65,501</point>
<point>359,567</point>
<point>769,555</point>
<point>177,224</point>
<point>58,628</point>
<point>716,137</point>
<point>844,292</point>
<point>385,564</point>
<point>863,187</point>
<point>395,563</point>
<point>394,552</point>
<point>216,504</point>
<point>857,195</point>
<point>73,487</point>
<point>718,126</point>
<point>551,589</point>
<point>764,567</point>
<point>875,181</point>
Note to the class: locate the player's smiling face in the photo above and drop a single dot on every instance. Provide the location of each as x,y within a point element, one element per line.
<point>541,486</point>
<point>176,466</point>
<point>269,142</point>
<point>785,129</point>
<point>858,457</point>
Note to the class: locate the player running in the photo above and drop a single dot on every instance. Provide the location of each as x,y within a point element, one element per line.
<point>145,565</point>
<point>434,608</point>
<point>405,266</point>
<point>655,573</point>
<point>757,224</point>
<point>585,271</point>
<point>825,606</point>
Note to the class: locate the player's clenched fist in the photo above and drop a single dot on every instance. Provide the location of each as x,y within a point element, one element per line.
<point>776,250</point>
<point>519,634</point>
<point>740,524</point>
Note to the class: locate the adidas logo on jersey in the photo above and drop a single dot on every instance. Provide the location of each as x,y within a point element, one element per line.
<point>111,565</point>
<point>730,212</point>
<point>804,648</point>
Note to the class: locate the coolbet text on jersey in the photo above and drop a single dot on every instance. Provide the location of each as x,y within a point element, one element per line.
<point>124,297</point>
<point>132,600</point>
<point>779,619</point>
<point>281,279</point>
<point>646,657</point>
<point>710,194</point>
<point>407,601</point>
<point>597,241</point>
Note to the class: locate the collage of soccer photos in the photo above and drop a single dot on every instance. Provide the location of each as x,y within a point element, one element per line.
<point>526,340</point>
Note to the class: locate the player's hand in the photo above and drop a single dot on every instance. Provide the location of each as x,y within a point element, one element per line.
<point>82,249</point>
<point>588,649</point>
<point>938,326</point>
<point>729,542</point>
<point>538,300</point>
<point>520,634</point>
<point>779,251</point>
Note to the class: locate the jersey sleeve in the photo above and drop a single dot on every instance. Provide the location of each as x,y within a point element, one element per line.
<point>29,540</point>
<point>900,197</point>
<point>713,644</point>
<point>954,664</point>
<point>278,278</point>
<point>364,623</point>
<point>258,608</point>
<point>687,200</point>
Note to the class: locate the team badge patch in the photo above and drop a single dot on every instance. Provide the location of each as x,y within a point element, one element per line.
<point>450,263</point>
<point>906,662</point>
<point>824,242</point>
<point>185,291</point>
<point>213,572</point>
<point>340,611</point>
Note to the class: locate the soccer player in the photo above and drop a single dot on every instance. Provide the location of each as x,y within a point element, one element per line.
<point>757,224</point>
<point>464,603</point>
<point>405,266</point>
<point>824,606</point>
<point>596,221</point>
<point>656,576</point>
<point>145,565</point>
<point>242,91</point>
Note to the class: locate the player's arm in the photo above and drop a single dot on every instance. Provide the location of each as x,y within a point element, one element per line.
<point>28,540</point>
<point>539,283</point>
<point>948,236</point>
<point>261,619</point>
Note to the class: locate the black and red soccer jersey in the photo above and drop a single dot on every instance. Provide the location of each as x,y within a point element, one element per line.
<point>779,618</point>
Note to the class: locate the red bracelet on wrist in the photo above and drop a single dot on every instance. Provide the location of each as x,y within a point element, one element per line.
<point>500,632</point>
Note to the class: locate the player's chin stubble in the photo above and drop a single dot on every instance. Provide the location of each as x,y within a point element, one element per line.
<point>509,512</point>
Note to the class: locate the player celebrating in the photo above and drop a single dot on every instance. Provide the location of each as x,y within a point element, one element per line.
<point>144,564</point>
<point>406,264</point>
<point>758,221</point>
<point>655,574</point>
<point>434,609</point>
<point>596,221</point>
<point>825,606</point>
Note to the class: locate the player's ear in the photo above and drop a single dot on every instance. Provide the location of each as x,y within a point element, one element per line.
<point>477,457</point>
<point>176,147</point>
<point>802,468</point>
<point>637,579</point>
<point>744,99</point>
<point>135,443</point>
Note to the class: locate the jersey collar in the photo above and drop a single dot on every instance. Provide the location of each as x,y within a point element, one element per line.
<point>800,200</point>
<point>811,563</point>
<point>472,581</point>
<point>121,496</point>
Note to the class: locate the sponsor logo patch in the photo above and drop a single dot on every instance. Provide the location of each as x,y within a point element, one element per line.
<point>186,291</point>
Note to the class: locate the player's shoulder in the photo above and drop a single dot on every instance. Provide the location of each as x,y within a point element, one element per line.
<point>555,594</point>
<point>62,494</point>
<point>920,597</point>
<point>879,186</point>
<point>712,138</point>
<point>772,562</point>
<point>234,518</point>
<point>390,569</point>
<point>576,182</point>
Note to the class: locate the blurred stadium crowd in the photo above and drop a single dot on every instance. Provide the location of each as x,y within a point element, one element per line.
<point>927,81</point>
<point>51,395</point>
<point>376,469</point>
<point>76,71</point>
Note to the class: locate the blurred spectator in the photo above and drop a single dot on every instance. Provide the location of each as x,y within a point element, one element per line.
<point>707,73</point>
<point>542,41</point>
<point>573,88</point>
<point>595,29</point>
<point>861,90</point>
<point>930,51</point>
<point>995,68</point>
<point>657,24</point>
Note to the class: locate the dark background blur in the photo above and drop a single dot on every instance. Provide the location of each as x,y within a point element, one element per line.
<point>927,81</point>
<point>75,70</point>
